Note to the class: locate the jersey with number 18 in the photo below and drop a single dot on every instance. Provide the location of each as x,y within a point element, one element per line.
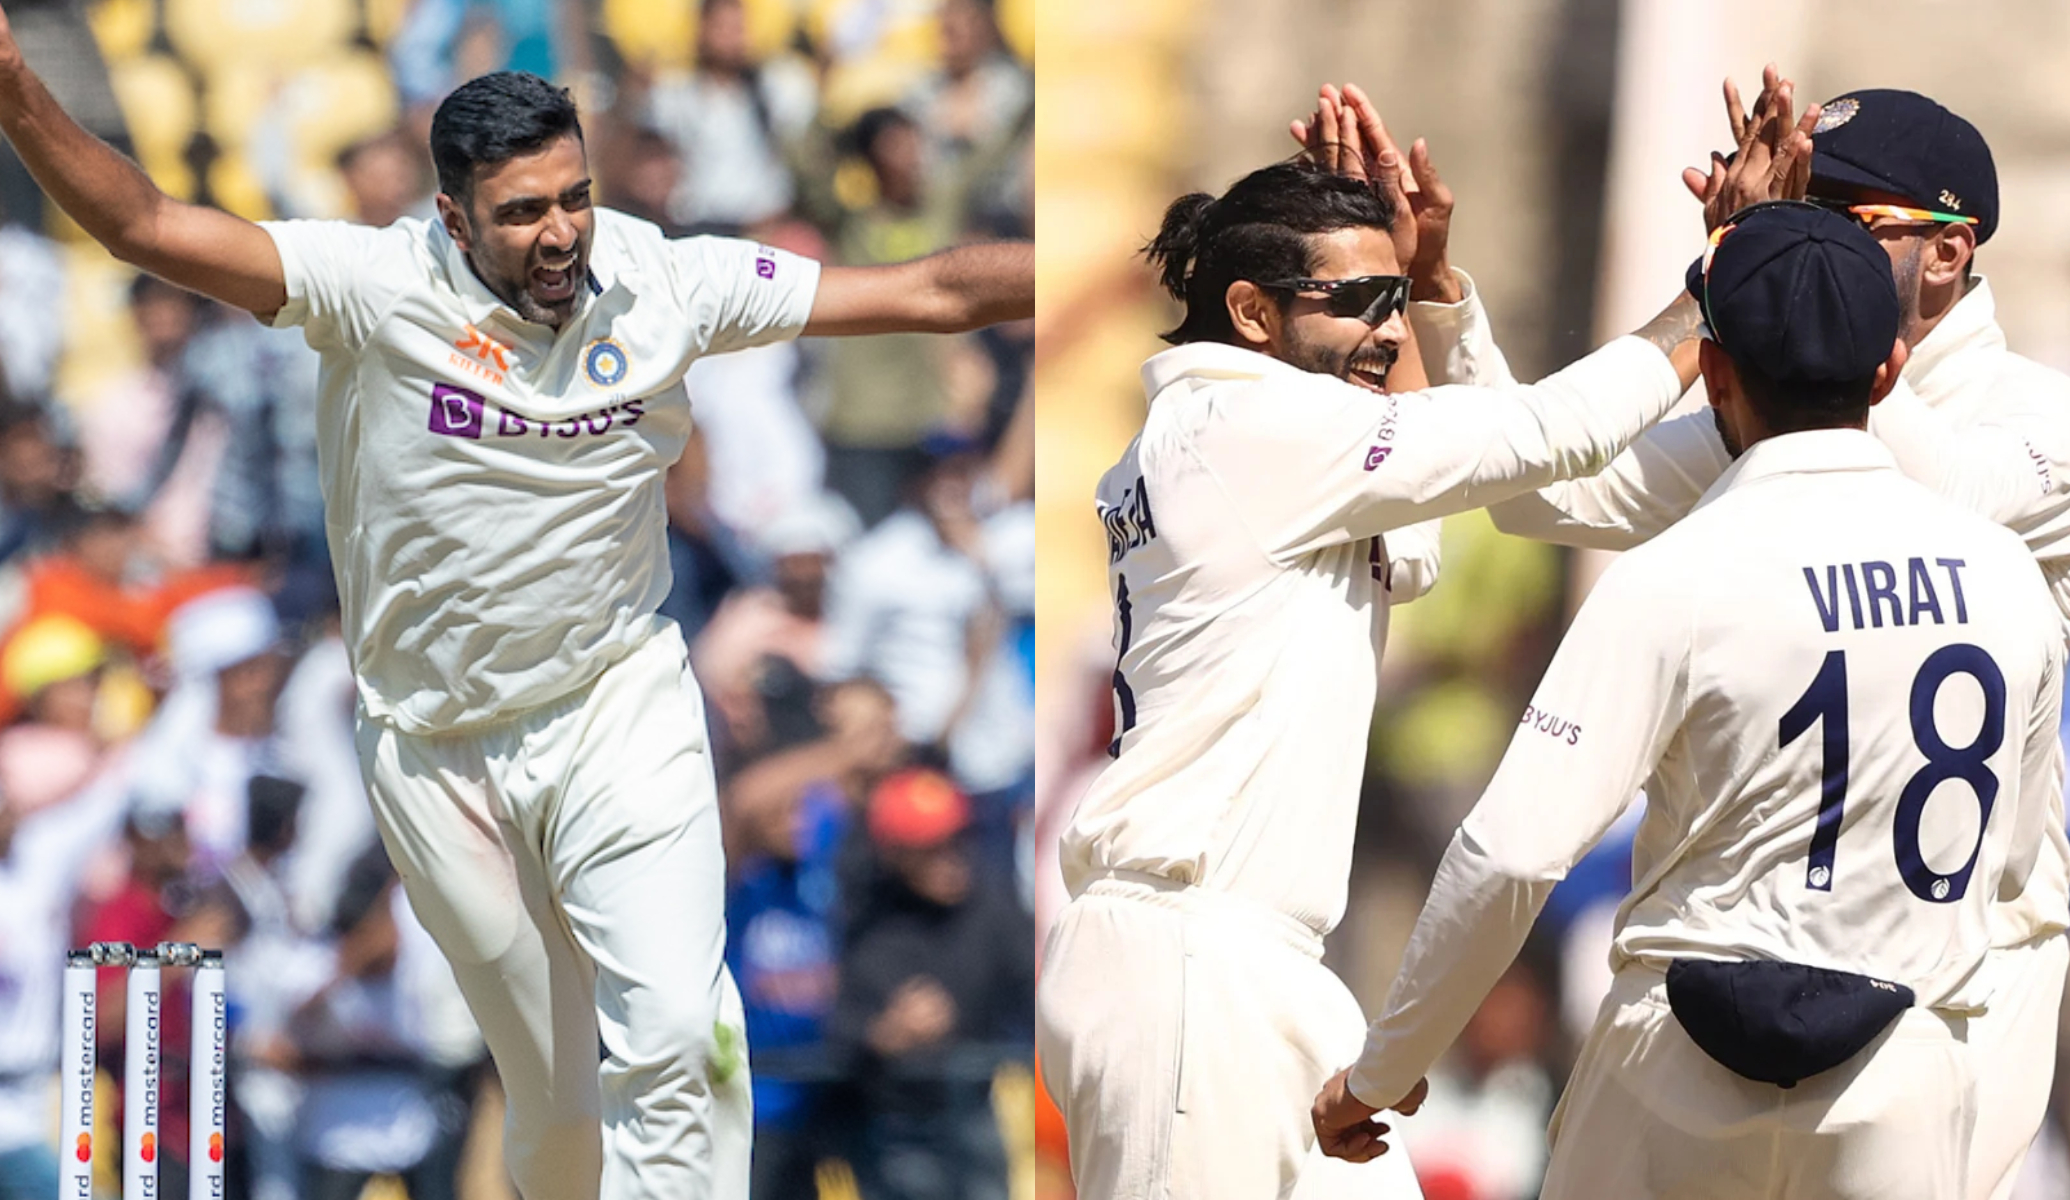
<point>1841,693</point>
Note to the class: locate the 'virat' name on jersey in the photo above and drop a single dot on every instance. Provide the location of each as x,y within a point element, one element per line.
<point>1872,590</point>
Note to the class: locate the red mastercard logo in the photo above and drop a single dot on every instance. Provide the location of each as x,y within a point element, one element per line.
<point>85,1150</point>
<point>215,1147</point>
<point>150,1147</point>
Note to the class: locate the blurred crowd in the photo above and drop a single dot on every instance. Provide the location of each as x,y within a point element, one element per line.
<point>851,541</point>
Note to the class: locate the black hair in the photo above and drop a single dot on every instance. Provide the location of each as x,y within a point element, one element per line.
<point>271,804</point>
<point>1258,229</point>
<point>492,119</point>
<point>1793,406</point>
<point>863,135</point>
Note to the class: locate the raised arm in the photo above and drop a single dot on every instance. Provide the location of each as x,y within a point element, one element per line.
<point>955,290</point>
<point>1653,484</point>
<point>1325,463</point>
<point>1666,472</point>
<point>1650,486</point>
<point>201,249</point>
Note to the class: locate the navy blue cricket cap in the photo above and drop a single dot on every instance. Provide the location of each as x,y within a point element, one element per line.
<point>1903,143</point>
<point>1800,294</point>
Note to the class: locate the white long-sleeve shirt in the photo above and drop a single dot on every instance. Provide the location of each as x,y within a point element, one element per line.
<point>1841,693</point>
<point>1975,422</point>
<point>1252,528</point>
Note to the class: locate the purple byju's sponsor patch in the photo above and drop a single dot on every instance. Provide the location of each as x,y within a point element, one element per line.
<point>765,267</point>
<point>1376,456</point>
<point>455,412</point>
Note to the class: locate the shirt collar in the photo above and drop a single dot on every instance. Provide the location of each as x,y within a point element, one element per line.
<point>1971,325</point>
<point>1811,452</point>
<point>1209,361</point>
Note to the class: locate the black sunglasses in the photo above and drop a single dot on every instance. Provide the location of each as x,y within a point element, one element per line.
<point>1370,298</point>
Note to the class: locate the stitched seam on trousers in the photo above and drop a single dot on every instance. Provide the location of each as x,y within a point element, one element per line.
<point>1177,1109</point>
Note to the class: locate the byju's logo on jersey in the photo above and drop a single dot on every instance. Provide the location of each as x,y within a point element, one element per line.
<point>455,412</point>
<point>604,362</point>
<point>1383,436</point>
<point>765,263</point>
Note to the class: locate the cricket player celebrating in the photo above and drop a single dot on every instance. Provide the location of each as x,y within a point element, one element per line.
<point>501,394</point>
<point>1258,528</point>
<point>1841,693</point>
<point>1981,425</point>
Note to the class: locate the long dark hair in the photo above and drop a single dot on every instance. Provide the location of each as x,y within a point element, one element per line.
<point>1258,229</point>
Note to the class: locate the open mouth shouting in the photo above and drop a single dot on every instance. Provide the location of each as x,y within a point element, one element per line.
<point>555,285</point>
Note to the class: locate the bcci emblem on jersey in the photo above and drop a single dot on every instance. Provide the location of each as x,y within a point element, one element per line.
<point>604,362</point>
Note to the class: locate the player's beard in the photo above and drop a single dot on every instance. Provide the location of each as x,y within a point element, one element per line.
<point>1732,446</point>
<point>516,290</point>
<point>1909,275</point>
<point>1372,358</point>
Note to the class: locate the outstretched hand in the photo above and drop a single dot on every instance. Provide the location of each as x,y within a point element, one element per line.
<point>1346,135</point>
<point>1772,159</point>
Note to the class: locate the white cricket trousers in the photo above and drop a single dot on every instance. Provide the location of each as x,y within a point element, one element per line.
<point>2014,1046</point>
<point>567,861</point>
<point>1184,1034</point>
<point>1647,1115</point>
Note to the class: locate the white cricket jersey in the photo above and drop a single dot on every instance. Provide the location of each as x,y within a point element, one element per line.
<point>1975,422</point>
<point>1247,528</point>
<point>1841,693</point>
<point>492,489</point>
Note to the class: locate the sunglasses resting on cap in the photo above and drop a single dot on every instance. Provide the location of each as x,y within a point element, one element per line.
<point>1869,214</point>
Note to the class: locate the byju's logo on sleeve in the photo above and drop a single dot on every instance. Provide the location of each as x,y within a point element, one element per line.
<point>455,412</point>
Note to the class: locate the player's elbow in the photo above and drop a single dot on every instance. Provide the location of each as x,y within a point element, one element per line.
<point>943,313</point>
<point>1532,516</point>
<point>939,307</point>
<point>1513,858</point>
<point>1509,518</point>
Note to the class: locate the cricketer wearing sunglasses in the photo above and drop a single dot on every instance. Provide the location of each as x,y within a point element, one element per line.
<point>1258,528</point>
<point>1976,422</point>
